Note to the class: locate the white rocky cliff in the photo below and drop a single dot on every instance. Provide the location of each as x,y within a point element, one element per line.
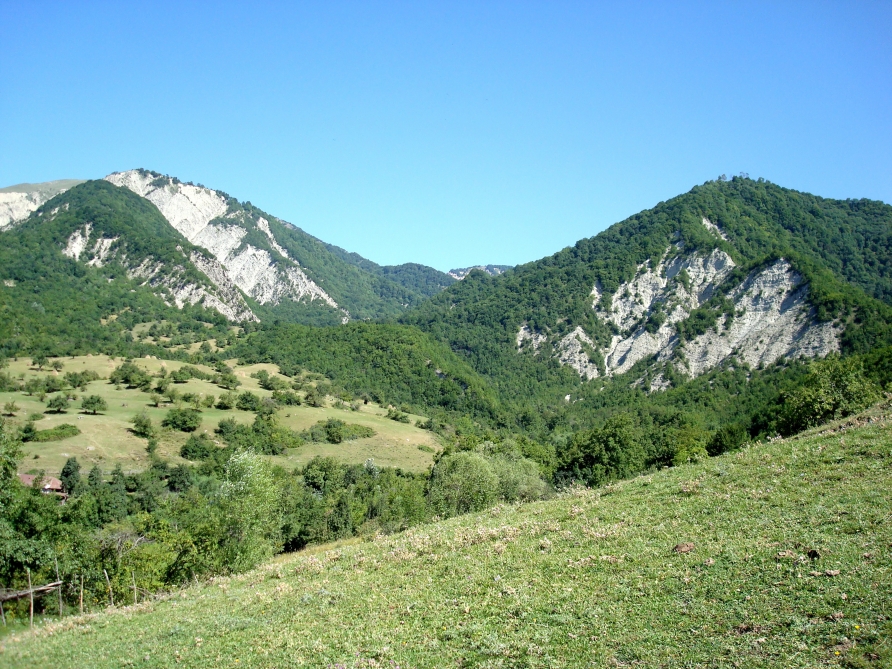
<point>191,210</point>
<point>771,318</point>
<point>17,202</point>
<point>169,283</point>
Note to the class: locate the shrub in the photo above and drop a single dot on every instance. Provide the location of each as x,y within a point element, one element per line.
<point>462,483</point>
<point>185,420</point>
<point>58,433</point>
<point>612,451</point>
<point>335,431</point>
<point>142,426</point>
<point>397,415</point>
<point>248,401</point>
<point>833,389</point>
<point>226,401</point>
<point>197,447</point>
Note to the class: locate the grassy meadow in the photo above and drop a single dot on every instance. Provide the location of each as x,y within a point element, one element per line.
<point>106,440</point>
<point>777,555</point>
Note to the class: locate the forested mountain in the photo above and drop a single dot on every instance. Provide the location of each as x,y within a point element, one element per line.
<point>78,272</point>
<point>284,272</point>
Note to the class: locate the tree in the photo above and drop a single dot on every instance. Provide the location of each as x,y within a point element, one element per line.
<point>10,408</point>
<point>142,426</point>
<point>249,502</point>
<point>94,404</point>
<point>185,420</point>
<point>248,401</point>
<point>39,361</point>
<point>612,451</point>
<point>462,483</point>
<point>71,476</point>
<point>57,403</point>
<point>833,389</point>
<point>94,478</point>
<point>58,365</point>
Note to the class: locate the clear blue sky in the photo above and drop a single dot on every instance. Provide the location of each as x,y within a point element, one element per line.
<point>451,133</point>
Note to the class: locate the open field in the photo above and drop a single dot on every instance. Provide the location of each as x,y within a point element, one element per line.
<point>105,439</point>
<point>778,555</point>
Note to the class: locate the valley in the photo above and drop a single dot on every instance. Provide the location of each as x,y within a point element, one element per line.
<point>735,560</point>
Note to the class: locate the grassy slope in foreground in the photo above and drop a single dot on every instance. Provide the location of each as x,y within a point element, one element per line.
<point>588,579</point>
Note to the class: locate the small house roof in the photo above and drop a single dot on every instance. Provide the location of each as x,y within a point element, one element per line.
<point>48,483</point>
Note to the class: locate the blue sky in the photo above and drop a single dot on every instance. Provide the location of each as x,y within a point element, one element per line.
<point>451,133</point>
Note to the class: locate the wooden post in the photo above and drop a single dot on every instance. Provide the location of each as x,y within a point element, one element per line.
<point>133,576</point>
<point>31,595</point>
<point>111,595</point>
<point>82,593</point>
<point>60,587</point>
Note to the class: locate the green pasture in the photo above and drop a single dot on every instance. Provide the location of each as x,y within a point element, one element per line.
<point>777,555</point>
<point>106,440</point>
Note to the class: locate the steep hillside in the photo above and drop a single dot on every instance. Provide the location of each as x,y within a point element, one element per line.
<point>423,280</point>
<point>285,272</point>
<point>92,254</point>
<point>17,202</point>
<point>774,556</point>
<point>741,272</point>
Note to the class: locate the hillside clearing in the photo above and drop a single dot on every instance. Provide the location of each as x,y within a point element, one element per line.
<point>106,440</point>
<point>776,555</point>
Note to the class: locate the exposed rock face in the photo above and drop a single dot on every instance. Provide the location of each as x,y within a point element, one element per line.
<point>776,322</point>
<point>571,351</point>
<point>17,202</point>
<point>171,283</point>
<point>493,270</point>
<point>771,318</point>
<point>201,215</point>
<point>527,337</point>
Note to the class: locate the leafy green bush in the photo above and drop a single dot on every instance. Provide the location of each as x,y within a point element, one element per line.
<point>185,420</point>
<point>58,433</point>
<point>142,426</point>
<point>612,451</point>
<point>397,415</point>
<point>248,401</point>
<point>198,447</point>
<point>834,389</point>
<point>335,431</point>
<point>131,376</point>
<point>462,483</point>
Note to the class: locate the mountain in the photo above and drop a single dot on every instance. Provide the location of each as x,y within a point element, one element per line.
<point>492,270</point>
<point>284,272</point>
<point>96,258</point>
<point>17,202</point>
<point>734,273</point>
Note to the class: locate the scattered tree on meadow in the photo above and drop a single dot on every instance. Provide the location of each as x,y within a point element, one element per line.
<point>94,404</point>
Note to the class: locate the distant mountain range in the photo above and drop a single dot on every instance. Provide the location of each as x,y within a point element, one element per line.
<point>733,273</point>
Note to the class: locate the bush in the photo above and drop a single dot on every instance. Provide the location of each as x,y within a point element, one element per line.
<point>833,389</point>
<point>226,401</point>
<point>131,375</point>
<point>248,401</point>
<point>613,451</point>
<point>335,431</point>
<point>142,426</point>
<point>397,415</point>
<point>185,420</point>
<point>197,447</point>
<point>462,483</point>
<point>58,433</point>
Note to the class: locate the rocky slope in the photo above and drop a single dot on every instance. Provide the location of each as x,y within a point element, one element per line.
<point>738,273</point>
<point>767,316</point>
<point>218,224</point>
<point>17,202</point>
